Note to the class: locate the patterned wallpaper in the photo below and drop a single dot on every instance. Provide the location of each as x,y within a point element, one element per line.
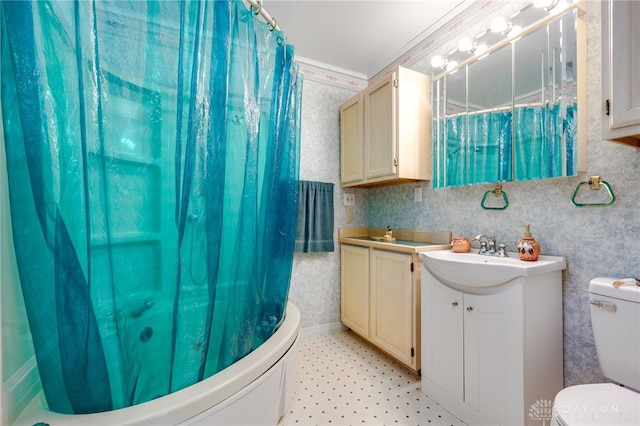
<point>601,241</point>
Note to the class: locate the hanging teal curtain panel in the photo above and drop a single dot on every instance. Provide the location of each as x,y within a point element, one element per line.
<point>530,135</point>
<point>153,160</point>
<point>490,147</point>
<point>314,232</point>
<point>570,132</point>
<point>545,141</point>
<point>540,142</point>
<point>452,161</point>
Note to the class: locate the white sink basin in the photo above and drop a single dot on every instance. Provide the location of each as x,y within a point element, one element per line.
<point>472,272</point>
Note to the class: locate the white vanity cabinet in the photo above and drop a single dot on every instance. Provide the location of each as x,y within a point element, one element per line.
<point>620,81</point>
<point>385,131</point>
<point>492,358</point>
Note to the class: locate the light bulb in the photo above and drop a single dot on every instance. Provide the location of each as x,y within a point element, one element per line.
<point>545,4</point>
<point>500,25</point>
<point>451,65</point>
<point>465,44</point>
<point>481,48</point>
<point>515,30</point>
<point>438,62</point>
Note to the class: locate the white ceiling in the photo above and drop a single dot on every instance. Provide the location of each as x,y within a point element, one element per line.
<point>357,35</point>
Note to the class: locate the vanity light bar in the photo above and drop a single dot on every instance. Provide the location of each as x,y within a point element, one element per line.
<point>505,27</point>
<point>498,25</point>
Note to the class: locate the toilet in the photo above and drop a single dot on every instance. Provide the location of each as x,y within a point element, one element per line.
<point>615,318</point>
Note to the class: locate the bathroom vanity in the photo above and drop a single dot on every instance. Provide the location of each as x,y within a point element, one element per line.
<point>492,336</point>
<point>380,287</point>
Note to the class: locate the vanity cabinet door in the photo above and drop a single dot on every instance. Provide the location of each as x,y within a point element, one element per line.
<point>351,141</point>
<point>354,283</point>
<point>620,59</point>
<point>442,350</point>
<point>391,325</point>
<point>493,354</point>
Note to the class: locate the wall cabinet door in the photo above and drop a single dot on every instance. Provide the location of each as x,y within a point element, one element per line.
<point>351,141</point>
<point>380,157</point>
<point>354,283</point>
<point>391,325</point>
<point>620,59</point>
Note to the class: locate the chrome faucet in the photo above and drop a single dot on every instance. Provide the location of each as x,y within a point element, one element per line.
<point>487,244</point>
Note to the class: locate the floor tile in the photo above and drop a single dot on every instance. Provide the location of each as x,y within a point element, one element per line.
<point>343,380</point>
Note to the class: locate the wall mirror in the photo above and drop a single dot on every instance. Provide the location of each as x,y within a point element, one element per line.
<point>510,112</point>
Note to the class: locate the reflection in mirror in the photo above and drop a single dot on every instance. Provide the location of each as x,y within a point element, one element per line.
<point>511,114</point>
<point>489,117</point>
<point>545,101</point>
<point>451,158</point>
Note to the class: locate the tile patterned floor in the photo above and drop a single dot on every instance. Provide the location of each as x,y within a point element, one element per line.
<point>343,380</point>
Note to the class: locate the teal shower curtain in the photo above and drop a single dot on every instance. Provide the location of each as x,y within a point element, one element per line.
<point>528,142</point>
<point>152,154</point>
<point>477,150</point>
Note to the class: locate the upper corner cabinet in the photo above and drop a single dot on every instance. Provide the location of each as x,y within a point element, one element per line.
<point>620,82</point>
<point>385,132</point>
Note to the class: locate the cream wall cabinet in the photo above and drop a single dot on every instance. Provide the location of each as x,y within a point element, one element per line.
<point>386,131</point>
<point>620,81</point>
<point>380,300</point>
<point>493,358</point>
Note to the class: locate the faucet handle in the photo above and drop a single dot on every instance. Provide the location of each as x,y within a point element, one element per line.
<point>483,247</point>
<point>502,249</point>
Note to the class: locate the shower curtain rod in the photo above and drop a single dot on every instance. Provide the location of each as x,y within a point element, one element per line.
<point>256,7</point>
<point>499,109</point>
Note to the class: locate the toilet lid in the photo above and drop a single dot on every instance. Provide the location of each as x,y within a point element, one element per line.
<point>597,404</point>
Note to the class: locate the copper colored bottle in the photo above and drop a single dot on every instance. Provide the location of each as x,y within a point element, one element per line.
<point>528,247</point>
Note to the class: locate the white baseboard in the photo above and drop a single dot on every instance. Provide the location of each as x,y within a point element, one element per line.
<point>319,330</point>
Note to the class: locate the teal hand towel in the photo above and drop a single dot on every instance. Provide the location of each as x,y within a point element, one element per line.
<point>314,232</point>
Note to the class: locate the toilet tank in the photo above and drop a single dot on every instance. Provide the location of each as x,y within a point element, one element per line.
<point>615,317</point>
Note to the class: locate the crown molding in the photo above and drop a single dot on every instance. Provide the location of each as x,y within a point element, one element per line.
<point>329,74</point>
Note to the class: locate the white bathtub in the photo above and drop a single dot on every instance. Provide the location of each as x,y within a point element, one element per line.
<point>253,391</point>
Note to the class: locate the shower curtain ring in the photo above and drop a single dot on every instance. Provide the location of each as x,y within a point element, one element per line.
<point>257,11</point>
<point>272,25</point>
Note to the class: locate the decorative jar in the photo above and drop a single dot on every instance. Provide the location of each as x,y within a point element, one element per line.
<point>461,245</point>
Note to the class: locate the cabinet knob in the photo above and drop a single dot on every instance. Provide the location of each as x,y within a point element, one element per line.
<point>454,304</point>
<point>470,308</point>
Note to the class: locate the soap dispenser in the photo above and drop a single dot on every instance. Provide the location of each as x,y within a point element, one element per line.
<point>528,247</point>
